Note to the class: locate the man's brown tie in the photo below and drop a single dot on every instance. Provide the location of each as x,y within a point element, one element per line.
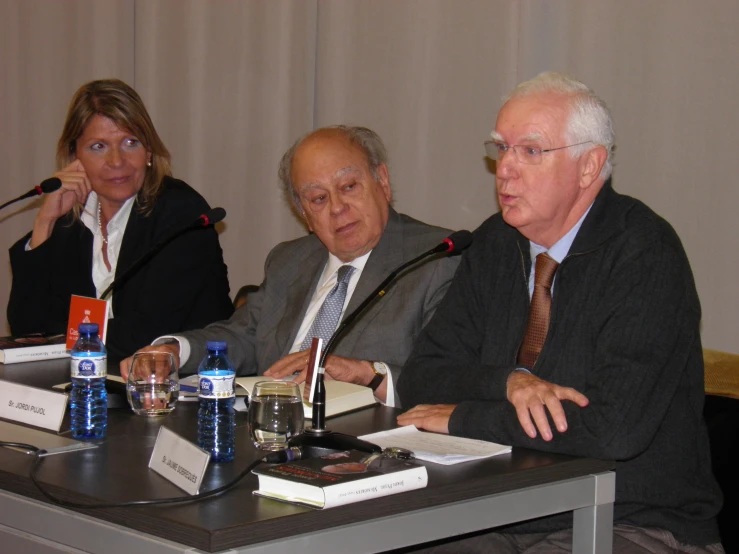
<point>541,307</point>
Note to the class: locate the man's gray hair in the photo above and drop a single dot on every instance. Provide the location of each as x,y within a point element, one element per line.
<point>590,119</point>
<point>366,139</point>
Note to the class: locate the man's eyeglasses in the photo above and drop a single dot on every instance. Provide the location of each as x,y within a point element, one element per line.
<point>530,155</point>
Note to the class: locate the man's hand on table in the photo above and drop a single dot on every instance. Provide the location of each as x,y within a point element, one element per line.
<point>432,417</point>
<point>530,395</point>
<point>339,368</point>
<point>292,364</point>
<point>348,370</point>
<point>173,348</point>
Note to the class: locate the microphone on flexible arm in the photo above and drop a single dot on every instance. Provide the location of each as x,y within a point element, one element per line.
<point>211,217</point>
<point>46,186</point>
<point>316,439</point>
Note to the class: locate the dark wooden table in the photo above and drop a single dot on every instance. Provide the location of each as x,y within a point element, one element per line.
<point>459,499</point>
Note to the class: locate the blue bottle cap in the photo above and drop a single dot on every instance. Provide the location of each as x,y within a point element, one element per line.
<point>216,345</point>
<point>89,328</point>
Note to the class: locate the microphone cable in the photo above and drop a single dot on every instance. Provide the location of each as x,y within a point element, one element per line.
<point>39,453</point>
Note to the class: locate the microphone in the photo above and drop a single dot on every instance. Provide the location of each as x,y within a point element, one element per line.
<point>456,242</point>
<point>317,436</point>
<point>211,217</point>
<point>46,186</point>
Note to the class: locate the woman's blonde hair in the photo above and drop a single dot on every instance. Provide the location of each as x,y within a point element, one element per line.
<point>114,99</point>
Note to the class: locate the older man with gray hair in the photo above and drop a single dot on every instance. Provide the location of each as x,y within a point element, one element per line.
<point>572,326</point>
<point>338,180</point>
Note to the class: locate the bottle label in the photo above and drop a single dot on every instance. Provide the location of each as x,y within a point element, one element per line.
<point>89,368</point>
<point>216,387</point>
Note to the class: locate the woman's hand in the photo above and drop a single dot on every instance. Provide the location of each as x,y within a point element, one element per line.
<point>75,189</point>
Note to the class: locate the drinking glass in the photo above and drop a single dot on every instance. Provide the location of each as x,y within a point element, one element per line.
<point>153,383</point>
<point>275,414</point>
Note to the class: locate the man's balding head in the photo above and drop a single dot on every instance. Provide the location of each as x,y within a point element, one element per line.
<point>338,179</point>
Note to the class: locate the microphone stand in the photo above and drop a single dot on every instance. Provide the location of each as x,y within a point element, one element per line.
<point>120,281</point>
<point>209,218</point>
<point>318,436</point>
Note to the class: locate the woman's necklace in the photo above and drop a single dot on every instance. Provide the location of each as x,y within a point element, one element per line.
<point>100,226</point>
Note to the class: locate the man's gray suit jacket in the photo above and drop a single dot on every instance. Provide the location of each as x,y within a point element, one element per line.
<point>263,331</point>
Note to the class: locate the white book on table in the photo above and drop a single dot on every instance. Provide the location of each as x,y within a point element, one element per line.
<point>30,349</point>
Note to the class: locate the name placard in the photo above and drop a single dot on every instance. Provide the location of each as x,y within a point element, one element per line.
<point>32,406</point>
<point>179,461</point>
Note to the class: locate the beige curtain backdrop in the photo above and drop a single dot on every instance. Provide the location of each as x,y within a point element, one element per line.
<point>427,76</point>
<point>231,83</point>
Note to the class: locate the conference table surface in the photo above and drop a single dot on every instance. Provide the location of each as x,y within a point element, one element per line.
<point>458,499</point>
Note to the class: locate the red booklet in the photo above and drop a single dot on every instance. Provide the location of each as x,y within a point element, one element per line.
<point>86,310</point>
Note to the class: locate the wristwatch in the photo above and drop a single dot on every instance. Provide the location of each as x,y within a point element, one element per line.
<point>381,370</point>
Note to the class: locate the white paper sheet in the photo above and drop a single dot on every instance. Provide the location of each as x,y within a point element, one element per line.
<point>437,448</point>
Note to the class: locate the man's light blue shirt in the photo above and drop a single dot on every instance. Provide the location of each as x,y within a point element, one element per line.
<point>558,251</point>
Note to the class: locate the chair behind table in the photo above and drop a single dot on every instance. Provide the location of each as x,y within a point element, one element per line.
<point>721,412</point>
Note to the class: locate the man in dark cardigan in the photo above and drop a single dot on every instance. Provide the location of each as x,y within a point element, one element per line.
<point>618,370</point>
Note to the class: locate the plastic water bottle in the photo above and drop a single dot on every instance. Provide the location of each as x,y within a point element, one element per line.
<point>89,399</point>
<point>216,417</point>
